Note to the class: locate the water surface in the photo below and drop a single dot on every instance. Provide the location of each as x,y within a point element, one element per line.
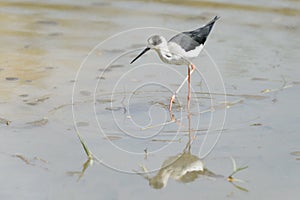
<point>118,107</point>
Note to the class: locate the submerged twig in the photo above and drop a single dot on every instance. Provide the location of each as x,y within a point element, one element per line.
<point>31,162</point>
<point>23,158</point>
<point>158,125</point>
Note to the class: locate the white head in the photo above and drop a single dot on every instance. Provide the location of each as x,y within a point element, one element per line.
<point>155,42</point>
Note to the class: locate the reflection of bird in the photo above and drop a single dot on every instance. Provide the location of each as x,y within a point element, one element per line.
<point>179,49</point>
<point>176,167</point>
<point>184,168</point>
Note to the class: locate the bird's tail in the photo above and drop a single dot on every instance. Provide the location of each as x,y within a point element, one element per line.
<point>213,21</point>
<point>207,27</point>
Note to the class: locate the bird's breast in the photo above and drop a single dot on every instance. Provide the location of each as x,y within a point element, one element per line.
<point>170,58</point>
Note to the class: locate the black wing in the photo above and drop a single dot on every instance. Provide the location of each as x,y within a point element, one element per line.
<point>191,39</point>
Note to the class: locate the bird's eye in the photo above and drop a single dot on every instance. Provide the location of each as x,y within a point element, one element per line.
<point>168,55</point>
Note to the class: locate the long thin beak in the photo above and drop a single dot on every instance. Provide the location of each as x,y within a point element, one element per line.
<point>144,51</point>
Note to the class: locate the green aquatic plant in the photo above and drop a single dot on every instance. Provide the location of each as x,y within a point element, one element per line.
<point>235,170</point>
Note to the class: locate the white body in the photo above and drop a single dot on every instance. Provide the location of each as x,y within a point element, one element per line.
<point>172,53</point>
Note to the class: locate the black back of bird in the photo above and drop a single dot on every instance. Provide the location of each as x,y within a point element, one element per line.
<point>189,40</point>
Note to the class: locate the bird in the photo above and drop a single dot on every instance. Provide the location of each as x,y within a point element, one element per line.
<point>179,50</point>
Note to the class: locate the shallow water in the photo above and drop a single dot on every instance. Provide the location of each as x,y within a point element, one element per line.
<point>57,50</point>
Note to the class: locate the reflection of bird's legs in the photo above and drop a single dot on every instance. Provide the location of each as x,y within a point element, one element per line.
<point>172,117</point>
<point>189,85</point>
<point>189,89</point>
<point>188,78</point>
<point>189,143</point>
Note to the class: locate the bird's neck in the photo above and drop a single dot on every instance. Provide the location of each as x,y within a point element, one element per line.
<point>164,53</point>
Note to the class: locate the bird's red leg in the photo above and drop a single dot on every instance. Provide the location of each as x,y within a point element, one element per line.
<point>189,89</point>
<point>189,84</point>
<point>187,77</point>
<point>171,102</point>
